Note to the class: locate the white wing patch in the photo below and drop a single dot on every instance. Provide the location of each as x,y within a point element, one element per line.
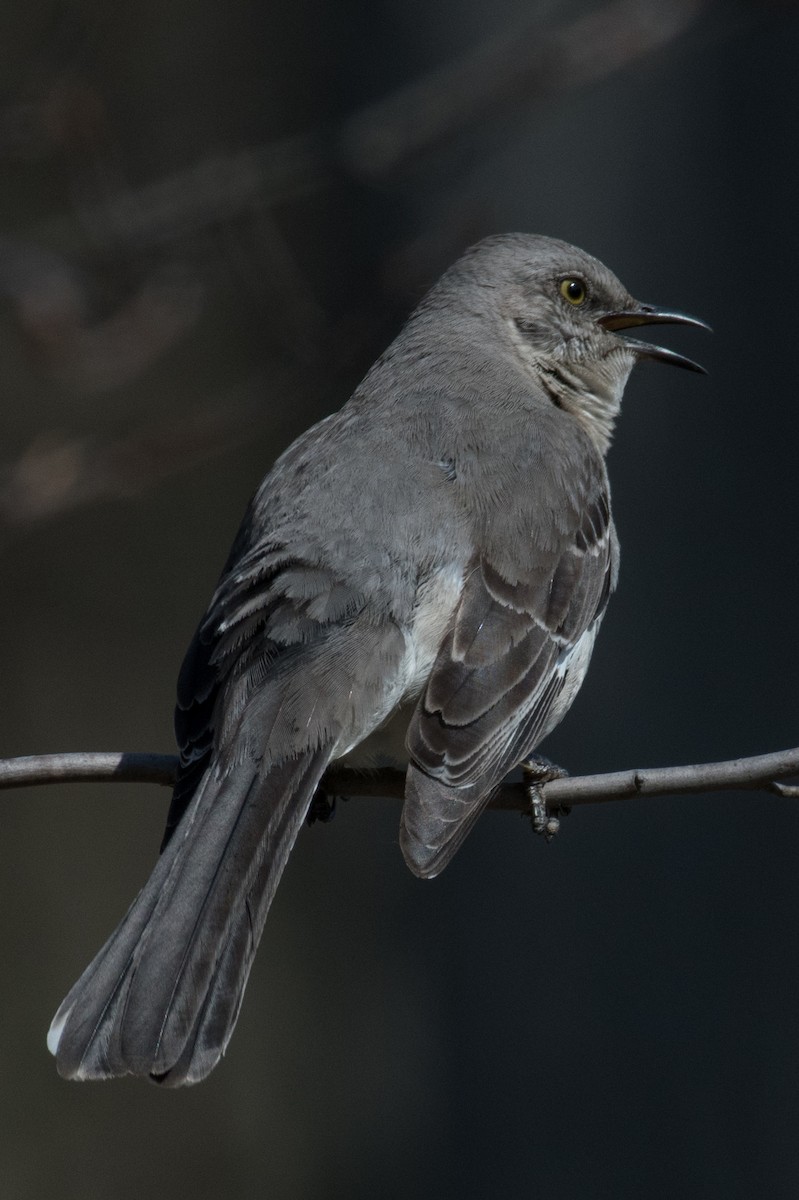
<point>383,744</point>
<point>571,667</point>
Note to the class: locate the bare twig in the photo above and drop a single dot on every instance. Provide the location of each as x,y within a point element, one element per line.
<point>88,767</point>
<point>761,773</point>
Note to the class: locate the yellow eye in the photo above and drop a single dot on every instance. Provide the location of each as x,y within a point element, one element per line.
<point>573,290</point>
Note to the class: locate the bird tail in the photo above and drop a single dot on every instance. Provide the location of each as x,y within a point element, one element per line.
<point>162,996</point>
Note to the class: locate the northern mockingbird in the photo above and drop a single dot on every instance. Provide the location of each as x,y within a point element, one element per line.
<point>420,578</point>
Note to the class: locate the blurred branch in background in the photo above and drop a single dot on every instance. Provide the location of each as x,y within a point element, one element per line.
<point>760,773</point>
<point>522,65</point>
<point>102,292</point>
<point>59,472</point>
<point>50,298</point>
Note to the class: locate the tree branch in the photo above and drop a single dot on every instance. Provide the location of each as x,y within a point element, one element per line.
<point>763,773</point>
<point>88,767</point>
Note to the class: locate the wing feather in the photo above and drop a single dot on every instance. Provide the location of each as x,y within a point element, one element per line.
<point>505,675</point>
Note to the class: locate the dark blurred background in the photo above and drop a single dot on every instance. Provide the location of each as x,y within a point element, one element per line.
<point>212,217</point>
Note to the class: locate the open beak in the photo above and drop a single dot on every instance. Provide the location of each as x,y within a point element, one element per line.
<point>646,314</point>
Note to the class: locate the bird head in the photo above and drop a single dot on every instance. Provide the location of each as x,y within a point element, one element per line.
<point>566,317</point>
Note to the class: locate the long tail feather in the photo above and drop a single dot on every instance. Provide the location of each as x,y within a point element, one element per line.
<point>162,996</point>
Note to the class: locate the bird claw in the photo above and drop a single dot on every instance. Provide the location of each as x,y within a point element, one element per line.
<point>537,772</point>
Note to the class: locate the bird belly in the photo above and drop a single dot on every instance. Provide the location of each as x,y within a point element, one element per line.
<point>384,748</point>
<point>383,745</point>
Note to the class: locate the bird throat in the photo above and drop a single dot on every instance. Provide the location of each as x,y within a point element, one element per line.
<point>590,391</point>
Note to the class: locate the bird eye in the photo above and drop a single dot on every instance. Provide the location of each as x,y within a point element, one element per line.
<point>573,290</point>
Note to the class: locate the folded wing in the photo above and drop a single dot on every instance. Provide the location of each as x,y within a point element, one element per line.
<point>505,675</point>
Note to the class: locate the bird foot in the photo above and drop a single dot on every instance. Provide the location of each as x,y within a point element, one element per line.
<point>538,771</point>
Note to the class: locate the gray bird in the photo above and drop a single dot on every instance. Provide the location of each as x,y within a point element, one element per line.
<point>420,578</point>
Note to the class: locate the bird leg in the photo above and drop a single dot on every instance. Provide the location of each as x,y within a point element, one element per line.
<point>538,771</point>
<point>322,807</point>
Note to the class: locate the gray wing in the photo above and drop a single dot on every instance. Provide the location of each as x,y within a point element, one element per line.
<point>273,607</point>
<point>504,676</point>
